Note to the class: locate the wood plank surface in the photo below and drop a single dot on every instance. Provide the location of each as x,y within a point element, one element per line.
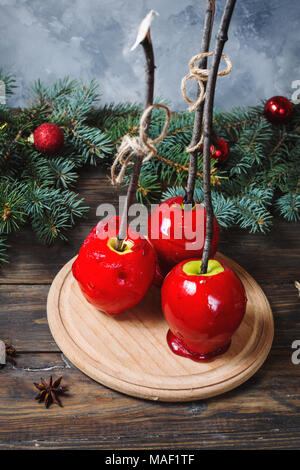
<point>258,254</point>
<point>262,413</point>
<point>23,317</point>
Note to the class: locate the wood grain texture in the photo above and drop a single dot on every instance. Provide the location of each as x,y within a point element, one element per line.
<point>129,353</point>
<point>262,413</point>
<point>33,263</point>
<point>23,317</point>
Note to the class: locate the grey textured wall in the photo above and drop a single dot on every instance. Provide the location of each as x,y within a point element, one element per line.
<point>88,39</point>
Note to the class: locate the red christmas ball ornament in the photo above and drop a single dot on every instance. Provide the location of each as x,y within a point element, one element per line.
<point>203,310</point>
<point>278,110</point>
<point>48,138</point>
<point>112,280</point>
<point>220,152</point>
<point>178,233</point>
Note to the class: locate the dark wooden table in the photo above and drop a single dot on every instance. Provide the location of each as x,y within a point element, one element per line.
<point>262,413</point>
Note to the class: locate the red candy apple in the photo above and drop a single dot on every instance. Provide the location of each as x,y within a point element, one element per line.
<point>202,310</point>
<point>111,280</point>
<point>177,233</point>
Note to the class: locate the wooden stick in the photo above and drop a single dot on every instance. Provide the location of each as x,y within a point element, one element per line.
<point>208,114</point>
<point>149,69</point>
<point>206,37</point>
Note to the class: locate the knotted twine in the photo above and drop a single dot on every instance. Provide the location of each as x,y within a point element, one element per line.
<point>140,145</point>
<point>201,76</point>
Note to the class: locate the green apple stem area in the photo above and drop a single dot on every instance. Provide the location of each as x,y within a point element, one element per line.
<point>193,268</point>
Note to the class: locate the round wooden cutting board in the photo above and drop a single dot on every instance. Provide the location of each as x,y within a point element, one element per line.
<point>130,354</point>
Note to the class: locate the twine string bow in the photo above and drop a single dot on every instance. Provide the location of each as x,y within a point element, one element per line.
<point>140,145</point>
<point>201,76</point>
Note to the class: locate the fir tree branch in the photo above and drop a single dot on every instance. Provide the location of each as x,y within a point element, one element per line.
<point>10,147</point>
<point>90,141</point>
<point>12,204</point>
<point>9,80</point>
<point>132,130</point>
<point>241,123</point>
<point>278,145</point>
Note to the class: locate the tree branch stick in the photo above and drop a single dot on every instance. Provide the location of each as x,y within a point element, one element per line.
<point>208,114</point>
<point>197,130</point>
<point>149,70</point>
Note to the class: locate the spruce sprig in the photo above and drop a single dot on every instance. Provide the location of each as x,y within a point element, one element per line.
<point>260,179</point>
<point>262,172</point>
<point>36,188</point>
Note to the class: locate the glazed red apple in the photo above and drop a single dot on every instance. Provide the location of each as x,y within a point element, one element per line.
<point>202,310</point>
<point>168,226</point>
<point>111,280</point>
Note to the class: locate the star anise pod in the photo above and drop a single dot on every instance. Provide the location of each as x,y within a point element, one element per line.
<point>11,353</point>
<point>49,392</point>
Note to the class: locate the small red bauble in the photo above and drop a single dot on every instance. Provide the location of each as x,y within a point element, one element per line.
<point>220,152</point>
<point>202,310</point>
<point>278,110</point>
<point>48,138</point>
<point>111,280</point>
<point>179,234</point>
